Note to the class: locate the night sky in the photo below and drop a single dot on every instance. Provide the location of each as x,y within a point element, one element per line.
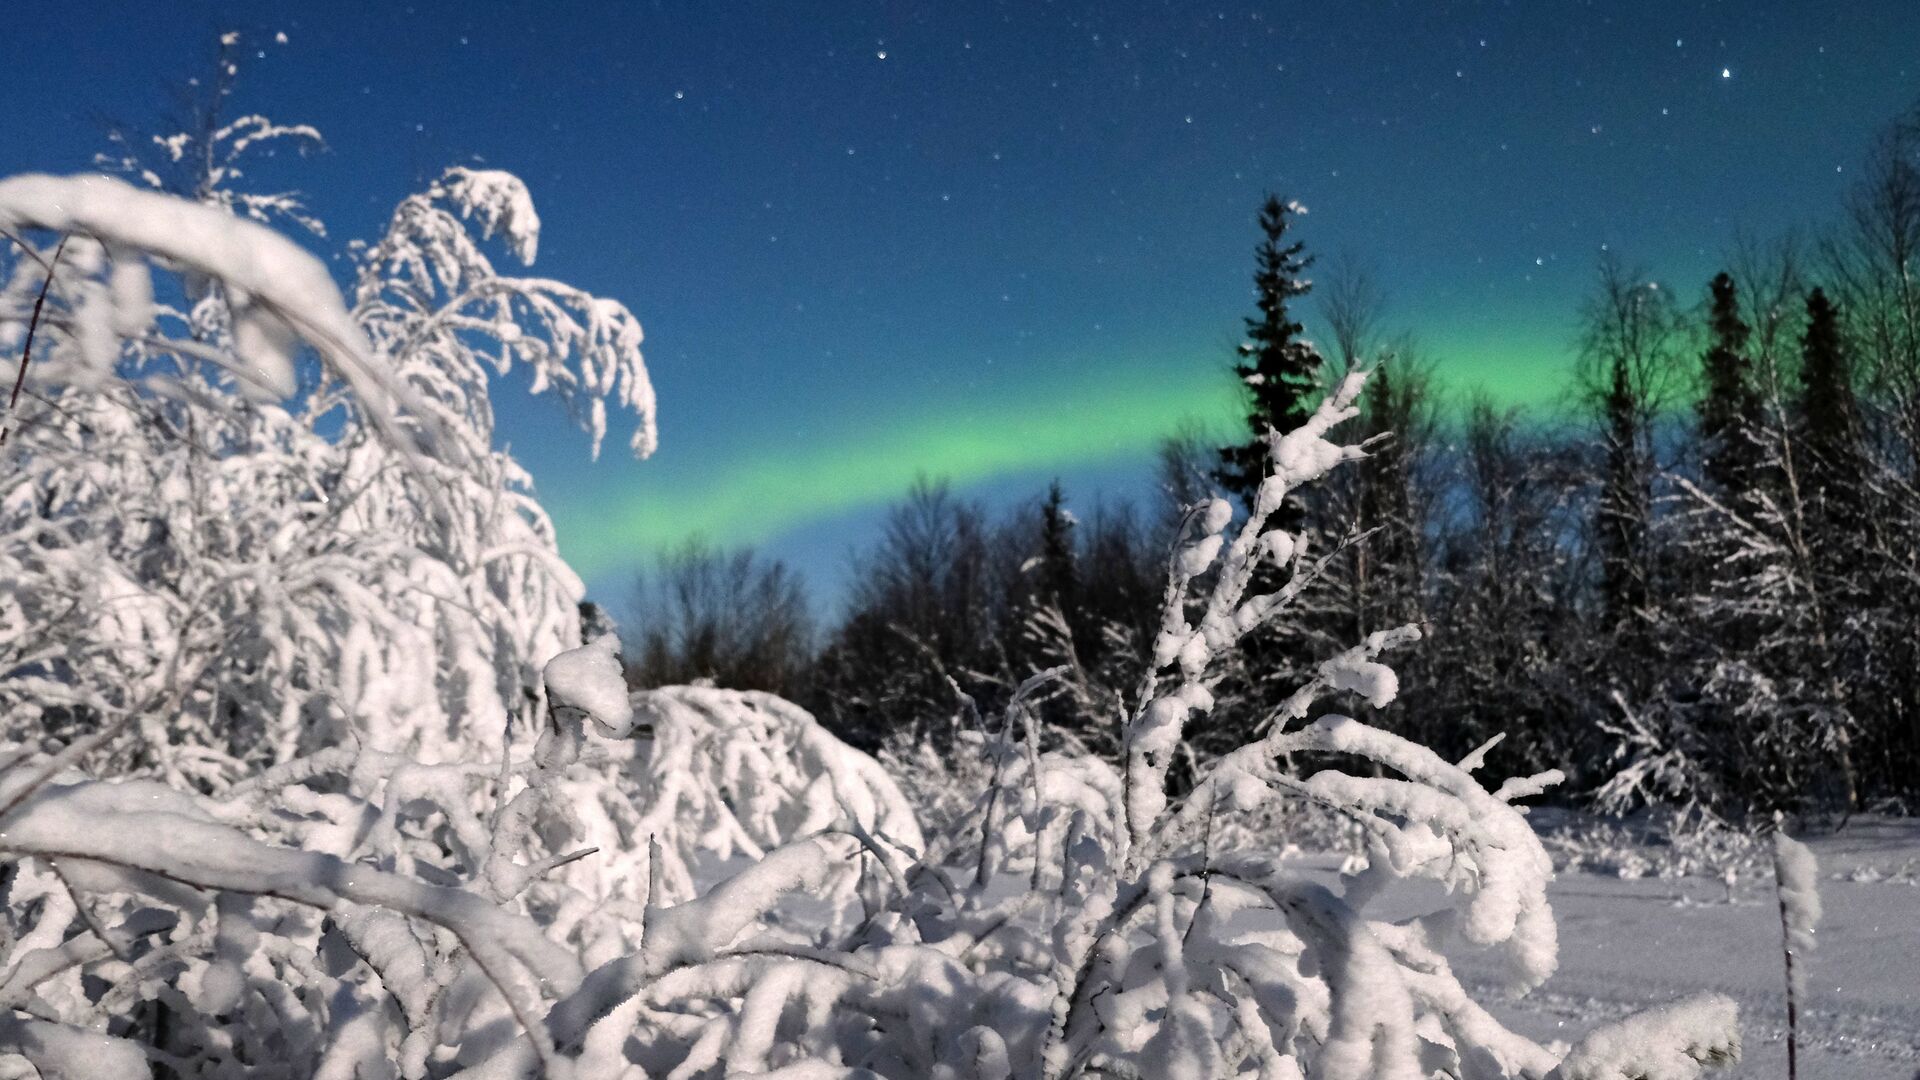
<point>1004,243</point>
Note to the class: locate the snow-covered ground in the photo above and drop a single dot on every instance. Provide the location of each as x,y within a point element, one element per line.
<point>1626,944</point>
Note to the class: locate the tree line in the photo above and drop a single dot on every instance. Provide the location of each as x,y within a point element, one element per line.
<point>1694,581</point>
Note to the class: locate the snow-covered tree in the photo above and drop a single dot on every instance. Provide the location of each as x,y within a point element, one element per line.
<point>1503,577</point>
<point>256,520</point>
<point>1871,273</point>
<point>1758,666</point>
<point>1630,333</point>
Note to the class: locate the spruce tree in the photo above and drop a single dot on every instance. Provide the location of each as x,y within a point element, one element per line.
<point>1729,408</point>
<point>1391,413</point>
<point>1751,688</point>
<point>1059,576</point>
<point>1836,517</point>
<point>1378,579</point>
<point>1624,508</point>
<point>1827,406</point>
<point>1628,350</point>
<point>1279,374</point>
<point>1050,626</point>
<point>1279,369</point>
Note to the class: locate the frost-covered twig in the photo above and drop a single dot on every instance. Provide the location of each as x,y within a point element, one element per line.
<point>1797,877</point>
<point>1156,729</point>
<point>33,326</point>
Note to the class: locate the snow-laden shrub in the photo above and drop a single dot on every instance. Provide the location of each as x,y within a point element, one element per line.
<point>1673,1042</point>
<point>948,789</point>
<point>717,778</point>
<point>356,913</point>
<point>342,583</point>
<point>1652,843</point>
<point>255,519</point>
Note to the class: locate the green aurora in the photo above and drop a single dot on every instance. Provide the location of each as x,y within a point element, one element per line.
<point>1101,416</point>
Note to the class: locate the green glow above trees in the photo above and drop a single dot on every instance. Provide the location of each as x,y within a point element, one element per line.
<point>1101,417</point>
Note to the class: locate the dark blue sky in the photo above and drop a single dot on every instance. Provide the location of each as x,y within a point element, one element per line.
<point>1008,242</point>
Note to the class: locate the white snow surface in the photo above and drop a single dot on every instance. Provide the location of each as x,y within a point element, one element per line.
<point>1626,944</point>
